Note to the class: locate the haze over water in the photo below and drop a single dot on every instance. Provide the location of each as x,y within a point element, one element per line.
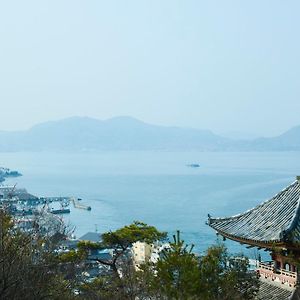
<point>156,187</point>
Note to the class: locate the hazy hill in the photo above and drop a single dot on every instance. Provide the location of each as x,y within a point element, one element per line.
<point>290,140</point>
<point>125,133</point>
<point>121,133</point>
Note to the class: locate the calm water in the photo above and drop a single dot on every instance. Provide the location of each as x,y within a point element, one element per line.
<point>156,187</point>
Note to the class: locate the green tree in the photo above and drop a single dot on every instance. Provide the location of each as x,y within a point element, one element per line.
<point>124,282</point>
<point>225,277</point>
<point>176,274</point>
<point>181,275</point>
<point>122,239</point>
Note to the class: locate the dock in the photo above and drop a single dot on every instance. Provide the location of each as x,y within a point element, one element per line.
<point>19,202</point>
<point>77,204</point>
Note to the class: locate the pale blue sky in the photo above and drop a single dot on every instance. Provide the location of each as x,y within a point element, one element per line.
<point>220,65</point>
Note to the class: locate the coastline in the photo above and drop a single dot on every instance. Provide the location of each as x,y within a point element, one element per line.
<point>6,173</point>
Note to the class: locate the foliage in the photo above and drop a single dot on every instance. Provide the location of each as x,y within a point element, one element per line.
<point>28,267</point>
<point>224,277</point>
<point>87,245</point>
<point>127,235</point>
<point>121,240</point>
<point>102,288</point>
<point>124,279</point>
<point>72,256</point>
<point>179,274</point>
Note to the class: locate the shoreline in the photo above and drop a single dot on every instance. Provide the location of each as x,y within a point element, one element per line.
<point>7,173</point>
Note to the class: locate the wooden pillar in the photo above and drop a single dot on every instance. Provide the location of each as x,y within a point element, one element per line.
<point>278,263</point>
<point>293,268</point>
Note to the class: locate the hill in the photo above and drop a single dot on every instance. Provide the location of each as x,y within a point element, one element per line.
<point>126,133</point>
<point>120,133</point>
<point>288,141</point>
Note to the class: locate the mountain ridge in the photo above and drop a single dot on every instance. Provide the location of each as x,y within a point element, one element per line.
<point>127,133</point>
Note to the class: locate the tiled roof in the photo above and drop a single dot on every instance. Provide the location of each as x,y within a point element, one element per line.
<point>271,292</point>
<point>91,236</point>
<point>275,220</point>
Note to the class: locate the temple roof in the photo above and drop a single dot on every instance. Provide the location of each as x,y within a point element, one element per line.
<point>272,292</point>
<point>274,221</point>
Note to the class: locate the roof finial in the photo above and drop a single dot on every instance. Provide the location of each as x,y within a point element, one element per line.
<point>298,178</point>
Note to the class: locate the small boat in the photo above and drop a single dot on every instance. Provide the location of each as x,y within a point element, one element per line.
<point>193,165</point>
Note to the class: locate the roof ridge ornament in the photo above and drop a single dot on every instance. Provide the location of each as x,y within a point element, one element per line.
<point>208,220</point>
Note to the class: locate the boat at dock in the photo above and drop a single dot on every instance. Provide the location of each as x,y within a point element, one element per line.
<point>60,211</point>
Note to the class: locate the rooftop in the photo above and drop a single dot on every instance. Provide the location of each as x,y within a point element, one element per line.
<point>91,237</point>
<point>274,221</point>
<point>271,292</point>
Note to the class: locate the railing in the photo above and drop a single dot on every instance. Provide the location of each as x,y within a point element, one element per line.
<point>268,271</point>
<point>266,266</point>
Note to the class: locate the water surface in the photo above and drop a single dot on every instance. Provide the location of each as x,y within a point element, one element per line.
<point>156,187</point>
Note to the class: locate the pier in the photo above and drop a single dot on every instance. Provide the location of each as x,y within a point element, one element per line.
<point>67,201</point>
<point>19,202</point>
<point>77,204</point>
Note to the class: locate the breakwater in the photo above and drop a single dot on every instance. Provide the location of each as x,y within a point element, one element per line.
<point>77,204</point>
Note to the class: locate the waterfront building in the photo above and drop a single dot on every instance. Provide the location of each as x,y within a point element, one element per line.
<point>273,226</point>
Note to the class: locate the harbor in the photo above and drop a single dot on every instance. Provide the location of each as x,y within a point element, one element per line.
<point>19,202</point>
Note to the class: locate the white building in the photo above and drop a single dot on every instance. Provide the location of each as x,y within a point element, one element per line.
<point>143,252</point>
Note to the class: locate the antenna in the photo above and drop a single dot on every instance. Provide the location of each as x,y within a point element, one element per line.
<point>96,227</point>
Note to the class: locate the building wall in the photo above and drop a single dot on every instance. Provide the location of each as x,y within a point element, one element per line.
<point>143,252</point>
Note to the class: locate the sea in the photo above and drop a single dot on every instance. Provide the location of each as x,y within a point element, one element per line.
<point>156,187</point>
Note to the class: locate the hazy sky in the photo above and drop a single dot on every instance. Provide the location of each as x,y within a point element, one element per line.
<point>220,65</point>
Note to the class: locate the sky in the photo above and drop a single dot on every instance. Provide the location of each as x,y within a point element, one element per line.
<point>227,66</point>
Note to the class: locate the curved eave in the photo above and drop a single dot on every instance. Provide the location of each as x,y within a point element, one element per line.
<point>275,221</point>
<point>256,243</point>
<point>270,244</point>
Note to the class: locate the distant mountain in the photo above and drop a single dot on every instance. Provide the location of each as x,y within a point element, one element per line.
<point>238,135</point>
<point>120,133</point>
<point>288,141</point>
<point>126,133</point>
